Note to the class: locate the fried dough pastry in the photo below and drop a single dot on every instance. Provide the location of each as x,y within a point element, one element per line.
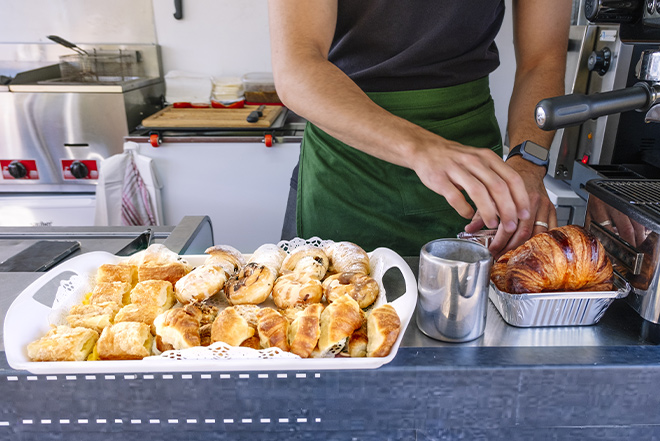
<point>125,341</point>
<point>231,328</point>
<point>304,331</point>
<point>251,285</point>
<point>63,343</point>
<point>307,259</point>
<point>295,289</point>
<point>567,258</point>
<point>226,257</point>
<point>347,257</point>
<point>383,327</point>
<point>272,329</point>
<point>363,288</point>
<point>200,284</point>
<point>338,321</point>
<point>269,255</point>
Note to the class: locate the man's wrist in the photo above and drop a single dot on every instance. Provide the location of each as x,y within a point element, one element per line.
<point>519,164</point>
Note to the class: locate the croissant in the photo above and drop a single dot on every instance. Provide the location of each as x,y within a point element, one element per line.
<point>567,258</point>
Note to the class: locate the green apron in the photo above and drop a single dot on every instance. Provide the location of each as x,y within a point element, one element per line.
<point>345,194</point>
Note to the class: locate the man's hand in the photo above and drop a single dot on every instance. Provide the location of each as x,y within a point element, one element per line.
<point>542,210</point>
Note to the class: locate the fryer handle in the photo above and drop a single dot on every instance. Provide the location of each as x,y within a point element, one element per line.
<point>570,110</point>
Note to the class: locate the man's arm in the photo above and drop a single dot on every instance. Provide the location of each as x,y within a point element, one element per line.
<point>311,86</point>
<point>541,42</point>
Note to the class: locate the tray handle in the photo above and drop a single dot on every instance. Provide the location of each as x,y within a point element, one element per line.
<point>405,304</point>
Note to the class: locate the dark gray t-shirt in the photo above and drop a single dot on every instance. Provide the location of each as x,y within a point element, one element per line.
<point>395,45</point>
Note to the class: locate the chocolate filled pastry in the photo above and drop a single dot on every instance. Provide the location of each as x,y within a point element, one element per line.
<point>383,327</point>
<point>96,317</point>
<point>567,258</point>
<point>269,255</point>
<point>177,329</point>
<point>231,328</point>
<point>200,284</point>
<point>338,322</point>
<point>63,343</point>
<point>307,259</point>
<point>251,285</point>
<point>116,292</point>
<point>294,289</point>
<point>122,272</point>
<point>153,292</point>
<point>272,329</point>
<point>304,331</point>
<point>226,257</point>
<point>347,257</point>
<point>363,288</point>
<point>133,312</point>
<point>125,341</point>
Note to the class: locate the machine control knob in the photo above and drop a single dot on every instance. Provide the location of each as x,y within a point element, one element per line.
<point>79,170</point>
<point>600,61</point>
<point>17,169</point>
<point>613,11</point>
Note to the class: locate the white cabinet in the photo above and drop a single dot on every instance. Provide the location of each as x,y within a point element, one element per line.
<point>242,186</point>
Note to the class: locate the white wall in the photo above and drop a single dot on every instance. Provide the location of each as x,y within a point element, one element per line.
<point>501,81</point>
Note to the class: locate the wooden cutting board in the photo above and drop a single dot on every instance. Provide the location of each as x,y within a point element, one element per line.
<point>210,118</point>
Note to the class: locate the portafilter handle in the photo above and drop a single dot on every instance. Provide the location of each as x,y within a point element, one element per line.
<point>570,110</point>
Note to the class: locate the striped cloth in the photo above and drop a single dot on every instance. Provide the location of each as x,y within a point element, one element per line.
<point>136,208</point>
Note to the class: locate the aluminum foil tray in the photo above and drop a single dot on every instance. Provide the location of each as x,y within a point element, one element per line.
<point>580,308</point>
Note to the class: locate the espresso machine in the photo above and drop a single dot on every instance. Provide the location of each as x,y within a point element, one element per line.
<point>611,156</point>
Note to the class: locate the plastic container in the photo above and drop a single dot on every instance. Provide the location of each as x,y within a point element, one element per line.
<point>259,87</point>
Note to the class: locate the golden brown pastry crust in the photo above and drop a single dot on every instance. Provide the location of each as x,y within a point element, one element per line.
<point>116,292</point>
<point>231,328</point>
<point>304,331</point>
<point>63,343</point>
<point>252,342</point>
<point>124,341</point>
<point>363,288</point>
<point>338,321</point>
<point>347,257</point>
<point>358,341</point>
<point>249,313</point>
<point>177,329</point>
<point>383,327</point>
<point>121,272</point>
<point>251,285</point>
<point>307,259</point>
<point>206,313</point>
<point>153,292</point>
<point>138,313</point>
<point>269,255</point>
<point>200,284</point>
<point>96,317</point>
<point>567,258</point>
<point>170,272</point>
<point>272,329</point>
<point>226,257</point>
<point>294,289</point>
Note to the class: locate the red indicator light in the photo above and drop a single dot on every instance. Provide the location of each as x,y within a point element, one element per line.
<point>585,159</point>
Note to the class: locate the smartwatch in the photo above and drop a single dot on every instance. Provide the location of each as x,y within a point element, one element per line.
<point>531,152</point>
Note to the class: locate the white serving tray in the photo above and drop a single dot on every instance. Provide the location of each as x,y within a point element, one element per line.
<point>27,320</point>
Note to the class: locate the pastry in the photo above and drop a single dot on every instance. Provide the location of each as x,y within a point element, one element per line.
<point>269,255</point>
<point>304,331</point>
<point>230,327</point>
<point>133,312</point>
<point>206,313</point>
<point>125,341</point>
<point>358,341</point>
<point>252,342</point>
<point>63,343</point>
<point>116,292</point>
<point>171,272</point>
<point>200,284</point>
<point>251,285</point>
<point>226,257</point>
<point>177,329</point>
<point>294,289</point>
<point>96,317</point>
<point>567,258</point>
<point>122,272</point>
<point>363,288</point>
<point>272,329</point>
<point>383,327</point>
<point>347,257</point>
<point>307,259</point>
<point>338,321</point>
<point>153,292</point>
<point>249,313</point>
<point>205,334</point>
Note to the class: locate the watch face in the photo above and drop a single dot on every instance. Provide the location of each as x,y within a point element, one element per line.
<point>536,150</point>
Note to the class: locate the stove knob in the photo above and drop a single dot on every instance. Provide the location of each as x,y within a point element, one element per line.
<point>17,169</point>
<point>79,170</point>
<point>599,61</point>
